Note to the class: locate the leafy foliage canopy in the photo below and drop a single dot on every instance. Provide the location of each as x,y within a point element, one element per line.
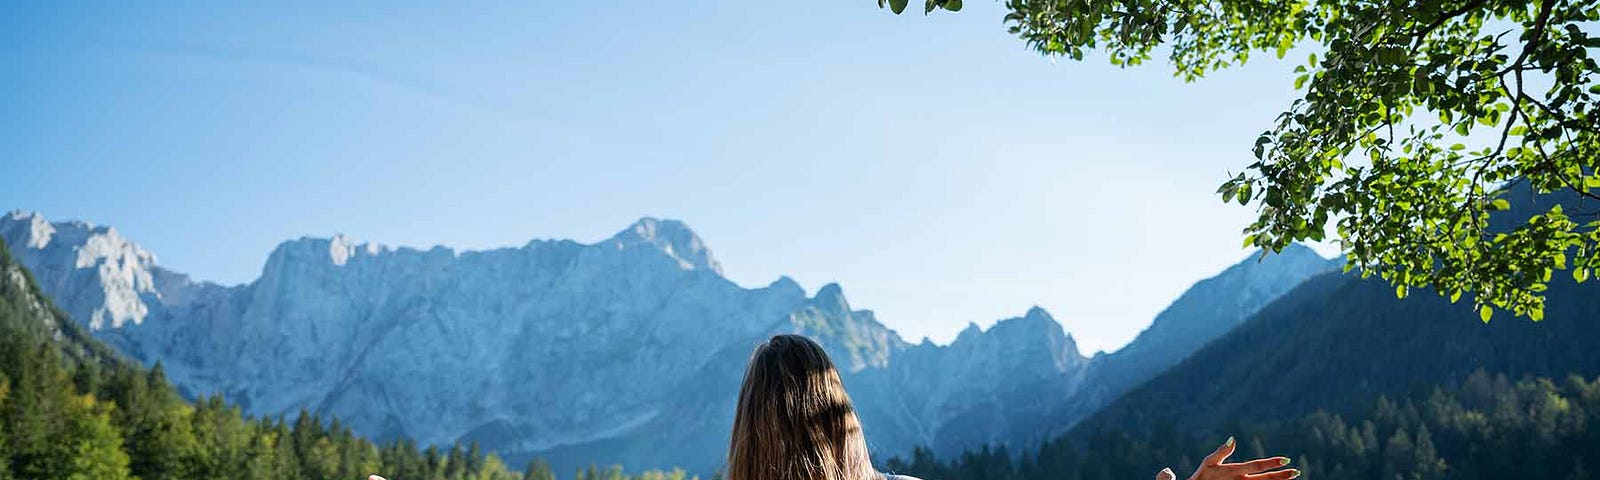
<point>1416,117</point>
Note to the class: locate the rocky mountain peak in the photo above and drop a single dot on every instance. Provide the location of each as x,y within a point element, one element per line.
<point>1038,314</point>
<point>336,251</point>
<point>1037,328</point>
<point>787,286</point>
<point>672,237</point>
<point>112,273</point>
<point>831,298</point>
<point>26,229</point>
<point>1036,321</point>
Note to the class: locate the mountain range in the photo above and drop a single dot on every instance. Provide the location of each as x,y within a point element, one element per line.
<point>627,350</point>
<point>1351,381</point>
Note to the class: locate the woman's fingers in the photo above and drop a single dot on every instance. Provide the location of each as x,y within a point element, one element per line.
<point>1166,474</point>
<point>1216,458</point>
<point>1278,475</point>
<point>1258,466</point>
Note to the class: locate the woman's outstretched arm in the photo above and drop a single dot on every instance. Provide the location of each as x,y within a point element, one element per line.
<point>1213,468</point>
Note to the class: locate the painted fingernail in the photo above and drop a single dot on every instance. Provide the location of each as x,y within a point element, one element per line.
<point>1294,475</point>
<point>1284,461</point>
<point>1229,442</point>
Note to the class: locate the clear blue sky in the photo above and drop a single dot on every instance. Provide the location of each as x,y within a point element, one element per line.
<point>938,170</point>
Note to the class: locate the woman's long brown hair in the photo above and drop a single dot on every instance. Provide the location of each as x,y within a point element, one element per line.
<point>794,420</point>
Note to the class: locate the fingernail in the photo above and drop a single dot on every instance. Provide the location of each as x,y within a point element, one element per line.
<point>1229,442</point>
<point>1166,474</point>
<point>1296,474</point>
<point>1283,462</point>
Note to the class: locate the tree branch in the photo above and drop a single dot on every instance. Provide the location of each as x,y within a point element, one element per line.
<point>1420,35</point>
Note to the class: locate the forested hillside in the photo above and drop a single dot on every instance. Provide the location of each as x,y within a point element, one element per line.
<point>1489,427</point>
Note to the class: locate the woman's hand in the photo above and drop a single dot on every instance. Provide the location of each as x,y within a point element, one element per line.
<point>1212,467</point>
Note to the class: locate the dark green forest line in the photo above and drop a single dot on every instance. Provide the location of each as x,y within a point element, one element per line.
<point>71,409</point>
<point>1489,427</point>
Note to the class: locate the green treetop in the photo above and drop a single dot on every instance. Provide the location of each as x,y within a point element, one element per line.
<point>1416,117</point>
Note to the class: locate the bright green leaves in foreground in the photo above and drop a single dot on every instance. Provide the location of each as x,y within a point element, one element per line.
<point>1416,120</point>
<point>928,5</point>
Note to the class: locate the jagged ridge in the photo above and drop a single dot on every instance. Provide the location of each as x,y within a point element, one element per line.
<point>625,350</point>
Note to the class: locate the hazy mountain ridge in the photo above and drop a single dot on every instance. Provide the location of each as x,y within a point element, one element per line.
<point>626,350</point>
<point>1336,342</point>
<point>1208,310</point>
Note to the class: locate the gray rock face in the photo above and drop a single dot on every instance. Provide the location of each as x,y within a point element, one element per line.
<point>102,279</point>
<point>627,351</point>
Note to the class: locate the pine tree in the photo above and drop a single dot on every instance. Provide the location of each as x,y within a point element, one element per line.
<point>285,455</point>
<point>155,420</point>
<point>94,448</point>
<point>455,463</point>
<point>492,468</point>
<point>434,461</point>
<point>475,459</point>
<point>1429,465</point>
<point>39,416</point>
<point>5,450</point>
<point>264,459</point>
<point>538,469</point>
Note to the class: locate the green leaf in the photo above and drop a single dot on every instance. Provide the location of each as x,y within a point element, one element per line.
<point>1485,312</point>
<point>952,5</point>
<point>1400,291</point>
<point>897,6</point>
<point>1580,274</point>
<point>1500,204</point>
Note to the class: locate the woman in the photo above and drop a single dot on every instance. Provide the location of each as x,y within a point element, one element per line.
<point>795,422</point>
